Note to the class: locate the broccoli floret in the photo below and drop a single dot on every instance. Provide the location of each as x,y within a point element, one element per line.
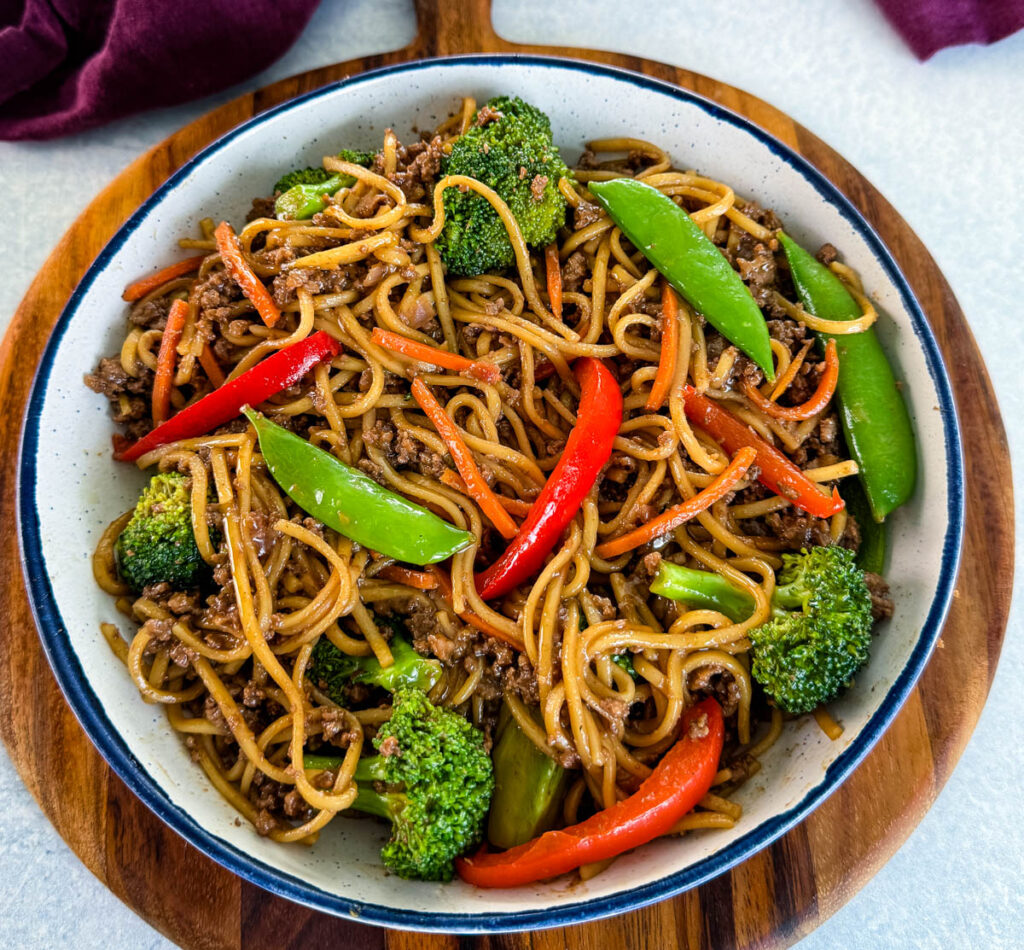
<point>356,157</point>
<point>157,544</point>
<point>820,632</point>
<point>331,670</point>
<point>302,176</point>
<point>529,115</point>
<point>439,782</point>
<point>514,155</point>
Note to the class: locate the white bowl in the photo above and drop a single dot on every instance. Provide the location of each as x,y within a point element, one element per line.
<point>70,488</point>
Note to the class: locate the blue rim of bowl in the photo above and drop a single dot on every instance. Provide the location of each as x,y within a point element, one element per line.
<point>87,707</point>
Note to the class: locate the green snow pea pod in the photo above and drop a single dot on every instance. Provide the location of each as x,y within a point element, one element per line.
<point>874,416</point>
<point>528,787</point>
<point>873,534</point>
<point>689,261</point>
<point>352,503</point>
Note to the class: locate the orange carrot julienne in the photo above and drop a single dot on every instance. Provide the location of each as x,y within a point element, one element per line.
<point>421,580</point>
<point>411,349</point>
<point>211,367</point>
<point>554,267</point>
<point>679,514</point>
<point>514,506</point>
<point>238,268</point>
<point>478,489</point>
<point>166,358</point>
<point>818,401</point>
<point>444,582</point>
<point>787,377</point>
<point>144,285</point>
<point>669,349</point>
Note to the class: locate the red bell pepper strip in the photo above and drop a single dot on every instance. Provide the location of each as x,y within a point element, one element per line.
<point>680,780</point>
<point>275,373</point>
<point>775,471</point>
<point>589,446</point>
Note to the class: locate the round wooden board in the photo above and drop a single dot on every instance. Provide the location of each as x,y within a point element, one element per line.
<point>774,898</point>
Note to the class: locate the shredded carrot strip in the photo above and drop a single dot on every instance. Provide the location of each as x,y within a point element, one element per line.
<point>211,367</point>
<point>818,401</point>
<point>554,279</point>
<point>679,514</point>
<point>165,359</point>
<point>479,369</point>
<point>794,367</point>
<point>478,489</point>
<point>445,584</point>
<point>669,349</point>
<point>421,580</point>
<point>252,286</point>
<point>144,285</point>
<point>514,506</point>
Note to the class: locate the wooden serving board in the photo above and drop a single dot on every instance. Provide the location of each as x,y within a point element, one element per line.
<point>774,898</point>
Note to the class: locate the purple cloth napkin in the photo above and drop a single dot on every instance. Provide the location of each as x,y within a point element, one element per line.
<point>931,25</point>
<point>69,65</point>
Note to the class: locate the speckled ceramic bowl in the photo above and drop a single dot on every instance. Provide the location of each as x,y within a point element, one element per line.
<point>70,488</point>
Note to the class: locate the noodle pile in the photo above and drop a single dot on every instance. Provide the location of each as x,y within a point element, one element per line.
<point>230,669</point>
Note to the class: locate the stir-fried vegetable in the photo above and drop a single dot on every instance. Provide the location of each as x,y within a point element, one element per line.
<point>587,449</point>
<point>476,484</point>
<point>873,534</point>
<point>512,153</point>
<point>352,503</point>
<point>484,370</point>
<point>302,193</point>
<point>157,545</point>
<point>819,632</point>
<point>238,267</point>
<point>679,781</point>
<point>683,512</point>
<point>166,358</point>
<point>252,387</point>
<point>145,285</point>
<point>874,415</point>
<point>818,401</point>
<point>687,258</point>
<point>775,471</point>
<point>331,670</point>
<point>528,787</point>
<point>439,782</point>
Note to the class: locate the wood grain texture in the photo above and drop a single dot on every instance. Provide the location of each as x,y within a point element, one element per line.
<point>773,899</point>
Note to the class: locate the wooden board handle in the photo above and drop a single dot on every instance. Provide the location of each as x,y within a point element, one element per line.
<point>450,27</point>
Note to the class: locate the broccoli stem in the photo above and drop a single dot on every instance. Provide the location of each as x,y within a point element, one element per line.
<point>703,589</point>
<point>333,669</point>
<point>368,771</point>
<point>409,670</point>
<point>381,804</point>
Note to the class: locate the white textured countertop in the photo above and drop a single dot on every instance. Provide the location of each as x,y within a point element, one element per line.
<point>944,141</point>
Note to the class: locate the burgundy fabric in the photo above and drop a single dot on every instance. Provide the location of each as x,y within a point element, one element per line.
<point>931,25</point>
<point>69,65</point>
